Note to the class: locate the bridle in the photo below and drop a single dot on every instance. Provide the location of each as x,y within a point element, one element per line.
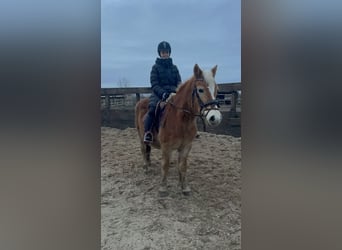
<point>203,106</point>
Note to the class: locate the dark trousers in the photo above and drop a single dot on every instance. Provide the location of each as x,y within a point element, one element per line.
<point>149,120</point>
<point>148,123</point>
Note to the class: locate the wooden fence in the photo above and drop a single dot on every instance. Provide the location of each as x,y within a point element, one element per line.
<point>117,106</point>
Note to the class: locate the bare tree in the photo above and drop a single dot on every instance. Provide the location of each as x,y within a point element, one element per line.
<point>123,82</point>
<point>127,98</point>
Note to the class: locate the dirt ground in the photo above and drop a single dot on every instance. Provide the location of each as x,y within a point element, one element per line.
<point>133,216</point>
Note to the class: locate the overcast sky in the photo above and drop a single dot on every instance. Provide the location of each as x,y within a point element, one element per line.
<point>207,32</point>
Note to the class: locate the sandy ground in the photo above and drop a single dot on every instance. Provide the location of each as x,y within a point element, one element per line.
<point>133,216</point>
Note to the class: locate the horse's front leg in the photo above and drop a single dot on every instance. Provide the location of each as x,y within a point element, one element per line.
<point>183,154</point>
<point>164,170</point>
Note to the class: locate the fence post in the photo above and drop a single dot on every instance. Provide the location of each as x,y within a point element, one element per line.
<point>232,111</point>
<point>107,102</point>
<point>106,111</point>
<point>137,97</point>
<point>234,101</point>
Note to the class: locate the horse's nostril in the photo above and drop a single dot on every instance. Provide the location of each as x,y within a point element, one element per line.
<point>212,118</point>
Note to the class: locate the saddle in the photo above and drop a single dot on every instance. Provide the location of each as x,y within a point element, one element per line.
<point>158,114</point>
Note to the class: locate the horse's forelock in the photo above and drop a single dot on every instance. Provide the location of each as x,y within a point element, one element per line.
<point>208,78</point>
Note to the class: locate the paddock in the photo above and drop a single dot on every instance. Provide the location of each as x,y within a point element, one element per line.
<point>133,216</point>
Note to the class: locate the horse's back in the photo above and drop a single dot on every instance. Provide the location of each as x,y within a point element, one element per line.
<point>141,106</point>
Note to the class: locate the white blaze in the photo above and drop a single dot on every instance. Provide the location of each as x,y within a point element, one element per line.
<point>210,80</point>
<point>213,117</point>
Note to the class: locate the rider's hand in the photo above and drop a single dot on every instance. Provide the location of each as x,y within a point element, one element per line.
<point>165,96</point>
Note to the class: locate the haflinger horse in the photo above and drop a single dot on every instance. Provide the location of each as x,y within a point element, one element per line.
<point>177,125</point>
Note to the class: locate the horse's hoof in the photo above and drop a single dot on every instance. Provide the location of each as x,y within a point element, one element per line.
<point>147,168</point>
<point>163,192</point>
<point>186,191</point>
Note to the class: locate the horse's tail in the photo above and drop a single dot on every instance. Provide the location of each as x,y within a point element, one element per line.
<point>136,119</point>
<point>141,108</point>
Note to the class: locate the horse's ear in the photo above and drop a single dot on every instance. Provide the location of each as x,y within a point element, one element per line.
<point>197,71</point>
<point>213,70</point>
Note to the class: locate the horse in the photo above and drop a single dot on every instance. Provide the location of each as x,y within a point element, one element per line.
<point>177,125</point>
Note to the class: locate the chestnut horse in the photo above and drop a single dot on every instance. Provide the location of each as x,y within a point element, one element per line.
<point>177,127</point>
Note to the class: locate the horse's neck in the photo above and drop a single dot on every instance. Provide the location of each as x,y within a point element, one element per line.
<point>184,98</point>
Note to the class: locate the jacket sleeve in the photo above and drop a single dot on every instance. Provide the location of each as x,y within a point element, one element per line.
<point>179,80</point>
<point>155,85</point>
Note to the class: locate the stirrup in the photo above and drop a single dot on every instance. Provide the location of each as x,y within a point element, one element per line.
<point>148,137</point>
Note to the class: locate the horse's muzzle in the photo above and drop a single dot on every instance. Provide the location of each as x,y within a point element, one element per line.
<point>213,117</point>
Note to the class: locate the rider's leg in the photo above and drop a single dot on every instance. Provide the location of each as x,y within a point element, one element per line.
<point>148,123</point>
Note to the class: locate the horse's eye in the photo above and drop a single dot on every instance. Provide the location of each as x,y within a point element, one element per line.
<point>200,90</point>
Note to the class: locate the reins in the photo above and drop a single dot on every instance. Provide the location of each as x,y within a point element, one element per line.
<point>203,106</point>
<point>184,110</point>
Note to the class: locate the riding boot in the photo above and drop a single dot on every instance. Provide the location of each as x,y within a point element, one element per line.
<point>148,137</point>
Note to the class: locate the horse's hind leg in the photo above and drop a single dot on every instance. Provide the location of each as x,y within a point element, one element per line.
<point>165,169</point>
<point>182,167</point>
<point>146,152</point>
